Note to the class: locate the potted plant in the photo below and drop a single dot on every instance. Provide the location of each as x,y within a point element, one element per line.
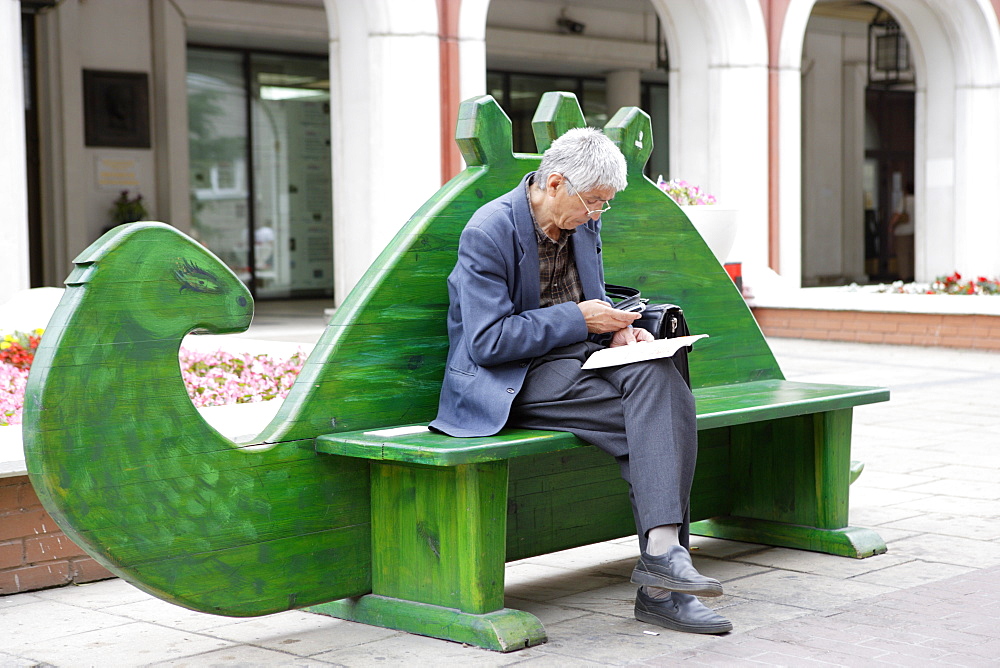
<point>128,210</point>
<point>716,224</point>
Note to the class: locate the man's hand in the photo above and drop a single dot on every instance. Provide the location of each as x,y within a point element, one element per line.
<point>601,318</point>
<point>630,335</point>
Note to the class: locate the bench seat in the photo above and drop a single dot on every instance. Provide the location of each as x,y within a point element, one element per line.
<point>718,406</point>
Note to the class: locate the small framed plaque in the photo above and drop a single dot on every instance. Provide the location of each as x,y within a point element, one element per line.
<point>116,109</point>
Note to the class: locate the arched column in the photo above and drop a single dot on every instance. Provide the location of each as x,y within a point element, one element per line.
<point>718,109</point>
<point>472,47</point>
<point>14,270</point>
<point>956,52</point>
<point>385,116</point>
<point>624,88</point>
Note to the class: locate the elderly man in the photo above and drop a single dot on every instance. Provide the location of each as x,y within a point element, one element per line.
<point>527,308</point>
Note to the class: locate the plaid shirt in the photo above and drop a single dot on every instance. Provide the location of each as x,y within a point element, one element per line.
<point>557,274</point>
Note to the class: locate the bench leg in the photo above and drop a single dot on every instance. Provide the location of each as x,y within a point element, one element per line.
<point>790,480</point>
<point>438,553</point>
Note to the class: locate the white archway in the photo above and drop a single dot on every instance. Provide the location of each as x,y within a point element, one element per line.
<point>718,102</point>
<point>956,49</point>
<point>13,174</point>
<point>472,47</point>
<point>718,109</point>
<point>386,145</point>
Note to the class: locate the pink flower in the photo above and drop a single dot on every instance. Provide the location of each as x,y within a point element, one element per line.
<point>212,379</point>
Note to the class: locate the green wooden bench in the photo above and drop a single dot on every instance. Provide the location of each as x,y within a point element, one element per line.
<point>407,531</point>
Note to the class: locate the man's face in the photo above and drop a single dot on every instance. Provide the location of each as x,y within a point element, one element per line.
<point>572,209</point>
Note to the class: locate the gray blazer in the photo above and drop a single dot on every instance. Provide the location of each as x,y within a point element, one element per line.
<point>495,326</point>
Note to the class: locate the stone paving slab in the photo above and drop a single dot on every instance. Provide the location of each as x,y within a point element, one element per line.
<point>955,621</point>
<point>157,643</point>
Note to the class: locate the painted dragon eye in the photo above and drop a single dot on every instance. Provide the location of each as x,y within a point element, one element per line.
<point>194,278</point>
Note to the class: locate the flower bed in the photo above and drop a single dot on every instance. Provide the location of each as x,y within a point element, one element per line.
<point>952,284</point>
<point>684,193</point>
<point>219,378</point>
<point>212,379</point>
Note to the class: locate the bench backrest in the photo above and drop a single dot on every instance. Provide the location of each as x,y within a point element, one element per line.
<point>381,360</point>
<point>131,471</point>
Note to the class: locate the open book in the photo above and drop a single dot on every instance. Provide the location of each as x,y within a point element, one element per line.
<point>639,352</point>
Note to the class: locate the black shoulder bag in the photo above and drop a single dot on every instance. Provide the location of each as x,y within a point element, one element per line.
<point>663,321</point>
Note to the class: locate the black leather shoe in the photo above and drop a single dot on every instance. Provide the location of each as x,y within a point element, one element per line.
<point>679,612</point>
<point>674,571</point>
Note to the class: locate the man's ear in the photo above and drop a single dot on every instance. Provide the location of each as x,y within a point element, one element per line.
<point>553,181</point>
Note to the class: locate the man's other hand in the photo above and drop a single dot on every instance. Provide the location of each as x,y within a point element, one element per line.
<point>629,335</point>
<point>601,318</point>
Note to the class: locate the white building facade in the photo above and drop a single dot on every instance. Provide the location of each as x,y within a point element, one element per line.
<point>766,104</point>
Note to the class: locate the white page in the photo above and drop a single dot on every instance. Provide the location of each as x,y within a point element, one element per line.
<point>639,352</point>
<point>398,431</point>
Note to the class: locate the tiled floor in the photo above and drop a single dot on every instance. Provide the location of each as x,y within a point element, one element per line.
<point>931,488</point>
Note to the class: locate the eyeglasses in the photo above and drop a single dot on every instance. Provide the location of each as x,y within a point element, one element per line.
<point>590,212</point>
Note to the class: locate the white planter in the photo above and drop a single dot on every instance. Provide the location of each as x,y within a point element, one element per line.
<point>716,225</point>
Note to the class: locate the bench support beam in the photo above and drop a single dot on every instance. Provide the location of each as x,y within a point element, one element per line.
<point>854,542</point>
<point>438,544</point>
<point>791,479</point>
<point>504,630</point>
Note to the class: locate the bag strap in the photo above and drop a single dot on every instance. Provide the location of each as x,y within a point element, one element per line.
<point>625,298</point>
<point>619,291</point>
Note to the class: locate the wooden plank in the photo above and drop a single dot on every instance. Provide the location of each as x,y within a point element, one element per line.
<point>423,550</point>
<point>729,405</point>
<point>127,467</point>
<point>441,450</point>
<point>718,406</point>
<point>504,630</point>
<point>855,542</point>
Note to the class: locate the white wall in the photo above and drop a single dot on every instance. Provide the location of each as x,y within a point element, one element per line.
<point>718,110</point>
<point>833,98</point>
<point>13,195</point>
<point>74,37</point>
<point>472,47</point>
<point>617,43</point>
<point>385,110</point>
<point>523,35</point>
<point>148,37</point>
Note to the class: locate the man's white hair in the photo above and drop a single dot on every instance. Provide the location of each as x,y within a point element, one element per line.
<point>587,158</point>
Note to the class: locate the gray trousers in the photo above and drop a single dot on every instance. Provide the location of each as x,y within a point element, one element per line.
<point>642,414</point>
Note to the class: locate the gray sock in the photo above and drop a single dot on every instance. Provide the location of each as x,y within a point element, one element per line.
<point>656,592</point>
<point>661,539</point>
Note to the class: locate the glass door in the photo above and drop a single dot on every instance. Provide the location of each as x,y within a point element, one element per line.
<point>260,168</point>
<point>293,237</point>
<point>218,141</point>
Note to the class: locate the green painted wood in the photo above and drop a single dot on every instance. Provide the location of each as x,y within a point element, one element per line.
<point>765,400</point>
<point>129,470</point>
<point>565,499</point>
<point>440,450</point>
<point>855,542</point>
<point>832,466</point>
<point>790,479</point>
<point>857,467</point>
<point>557,112</point>
<point>438,534</point>
<point>503,630</point>
<point>718,406</point>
